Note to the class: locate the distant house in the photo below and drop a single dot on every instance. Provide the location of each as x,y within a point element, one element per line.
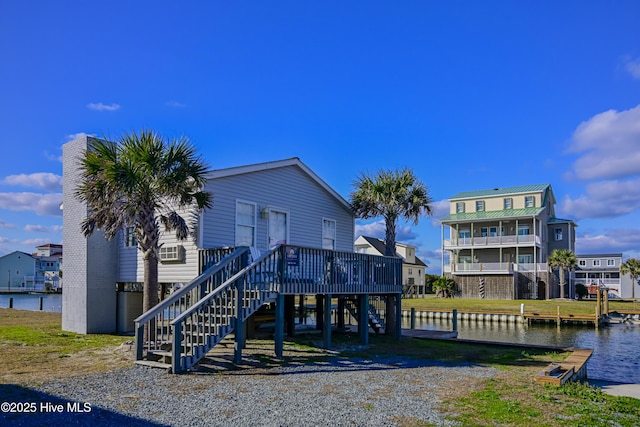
<point>602,271</point>
<point>496,242</point>
<point>413,269</point>
<point>20,271</point>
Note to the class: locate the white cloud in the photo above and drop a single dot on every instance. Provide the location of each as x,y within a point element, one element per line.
<point>608,145</point>
<point>377,229</point>
<point>99,106</point>
<point>73,136</point>
<point>35,242</point>
<point>612,241</point>
<point>43,180</point>
<point>439,210</point>
<point>6,224</point>
<point>633,67</point>
<point>175,104</point>
<point>41,204</point>
<point>605,199</point>
<point>32,228</point>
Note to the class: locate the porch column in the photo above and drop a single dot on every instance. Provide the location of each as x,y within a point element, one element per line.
<point>279,331</point>
<point>326,330</point>
<point>319,312</point>
<point>363,318</point>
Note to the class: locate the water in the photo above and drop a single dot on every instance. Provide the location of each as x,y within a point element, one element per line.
<point>50,302</point>
<point>615,347</point>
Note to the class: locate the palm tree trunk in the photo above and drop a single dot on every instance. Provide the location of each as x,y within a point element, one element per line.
<point>561,283</point>
<point>390,237</point>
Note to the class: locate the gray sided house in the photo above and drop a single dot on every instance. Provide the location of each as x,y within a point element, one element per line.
<point>257,205</point>
<point>17,271</point>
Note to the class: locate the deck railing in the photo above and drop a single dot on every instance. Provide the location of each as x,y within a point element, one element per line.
<point>309,271</point>
<point>488,241</point>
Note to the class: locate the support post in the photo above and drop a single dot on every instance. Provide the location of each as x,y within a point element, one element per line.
<point>41,301</point>
<point>398,313</point>
<point>363,318</point>
<point>558,316</point>
<point>454,319</point>
<point>10,302</point>
<point>239,326</point>
<point>413,318</point>
<point>319,312</point>
<point>341,310</point>
<point>326,330</point>
<point>279,332</point>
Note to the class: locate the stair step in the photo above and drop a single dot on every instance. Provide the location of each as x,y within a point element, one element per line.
<point>153,364</point>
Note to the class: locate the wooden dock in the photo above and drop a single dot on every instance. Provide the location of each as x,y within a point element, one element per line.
<point>426,334</point>
<point>574,368</point>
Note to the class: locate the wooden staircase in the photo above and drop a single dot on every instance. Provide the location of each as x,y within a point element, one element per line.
<point>375,321</point>
<point>186,326</point>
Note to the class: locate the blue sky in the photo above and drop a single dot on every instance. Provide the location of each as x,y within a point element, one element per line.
<point>470,95</point>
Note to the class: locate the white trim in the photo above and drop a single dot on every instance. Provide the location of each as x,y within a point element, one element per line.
<point>287,212</point>
<point>235,221</point>
<point>335,233</point>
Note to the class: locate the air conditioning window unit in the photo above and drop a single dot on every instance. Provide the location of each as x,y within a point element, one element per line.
<point>171,253</point>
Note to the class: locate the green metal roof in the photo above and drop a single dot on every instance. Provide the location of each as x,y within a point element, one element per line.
<point>535,188</point>
<point>561,220</point>
<point>484,215</point>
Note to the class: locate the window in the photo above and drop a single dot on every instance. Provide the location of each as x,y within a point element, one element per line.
<point>596,263</point>
<point>484,232</point>
<point>524,259</point>
<point>479,205</point>
<point>582,263</point>
<point>529,202</point>
<point>464,233</point>
<point>460,207</point>
<point>493,231</point>
<point>328,234</point>
<point>508,203</point>
<point>410,270</point>
<point>130,237</point>
<point>558,234</point>
<point>611,263</point>
<point>245,224</point>
<point>523,229</point>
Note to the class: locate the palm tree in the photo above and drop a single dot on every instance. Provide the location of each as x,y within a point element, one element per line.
<point>141,181</point>
<point>632,268</point>
<point>391,195</point>
<point>562,259</point>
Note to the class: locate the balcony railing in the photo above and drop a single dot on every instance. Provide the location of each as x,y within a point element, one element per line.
<point>493,268</point>
<point>492,241</point>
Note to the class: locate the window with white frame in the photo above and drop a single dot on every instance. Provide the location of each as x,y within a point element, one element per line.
<point>329,234</point>
<point>410,270</point>
<point>460,207</point>
<point>479,205</point>
<point>484,231</point>
<point>529,202</point>
<point>130,237</point>
<point>508,203</point>
<point>493,231</point>
<point>582,263</point>
<point>596,263</point>
<point>558,234</point>
<point>464,233</point>
<point>611,263</point>
<point>523,229</point>
<point>245,224</point>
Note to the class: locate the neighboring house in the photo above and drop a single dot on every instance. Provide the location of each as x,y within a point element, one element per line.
<point>49,265</point>
<point>259,206</point>
<point>598,271</point>
<point>17,271</point>
<point>496,242</point>
<point>413,269</point>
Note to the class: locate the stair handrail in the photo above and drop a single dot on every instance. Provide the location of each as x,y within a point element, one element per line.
<point>268,257</point>
<point>177,297</point>
<point>174,297</point>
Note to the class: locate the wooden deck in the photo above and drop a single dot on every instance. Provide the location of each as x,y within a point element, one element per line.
<point>432,335</point>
